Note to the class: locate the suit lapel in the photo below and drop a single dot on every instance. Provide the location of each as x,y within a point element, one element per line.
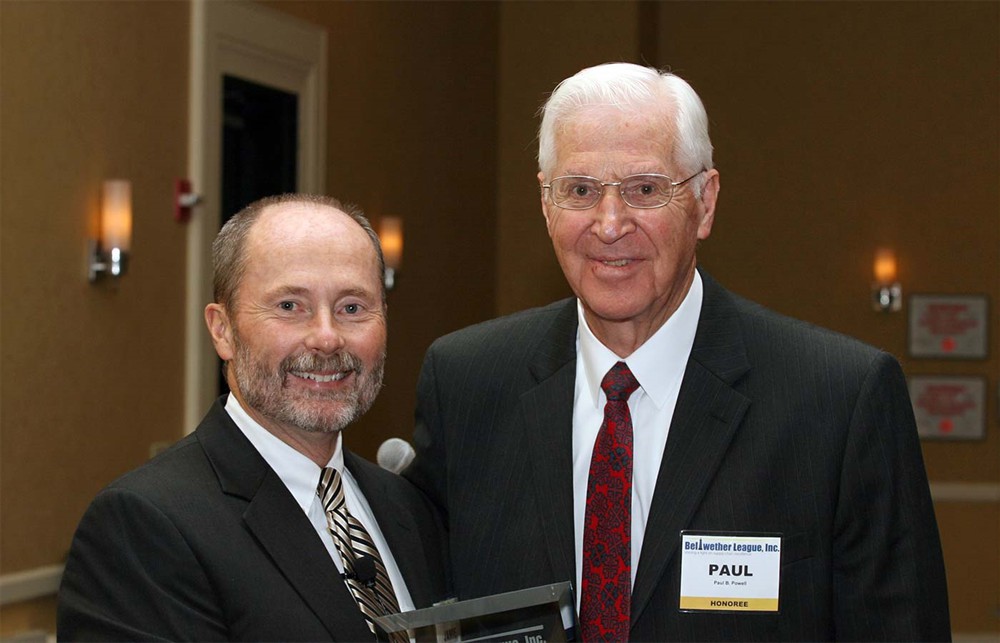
<point>285,532</point>
<point>547,409</point>
<point>705,420</point>
<point>278,524</point>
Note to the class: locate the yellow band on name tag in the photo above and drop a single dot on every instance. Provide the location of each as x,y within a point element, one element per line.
<point>729,604</point>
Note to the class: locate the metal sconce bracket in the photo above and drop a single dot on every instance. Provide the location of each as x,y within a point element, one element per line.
<point>887,298</point>
<point>113,263</point>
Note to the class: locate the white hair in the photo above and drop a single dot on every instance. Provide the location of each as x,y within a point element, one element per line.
<point>631,87</point>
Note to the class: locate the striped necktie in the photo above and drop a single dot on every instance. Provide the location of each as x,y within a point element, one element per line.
<point>606,581</point>
<point>372,591</point>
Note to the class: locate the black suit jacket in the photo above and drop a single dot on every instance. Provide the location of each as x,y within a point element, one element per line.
<point>205,543</point>
<point>779,427</point>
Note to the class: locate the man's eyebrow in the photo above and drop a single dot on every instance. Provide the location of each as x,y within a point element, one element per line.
<point>290,290</point>
<point>358,292</point>
<point>287,290</point>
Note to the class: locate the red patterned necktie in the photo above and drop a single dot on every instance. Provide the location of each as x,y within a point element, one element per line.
<point>606,587</point>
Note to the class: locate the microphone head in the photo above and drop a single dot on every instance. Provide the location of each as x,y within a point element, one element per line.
<point>395,454</point>
<point>364,569</point>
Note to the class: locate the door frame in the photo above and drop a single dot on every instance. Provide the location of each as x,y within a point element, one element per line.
<point>264,46</point>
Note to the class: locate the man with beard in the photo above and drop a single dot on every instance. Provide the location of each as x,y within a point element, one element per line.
<point>260,525</point>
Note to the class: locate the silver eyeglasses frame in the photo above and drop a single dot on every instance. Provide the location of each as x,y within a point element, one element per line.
<point>618,184</point>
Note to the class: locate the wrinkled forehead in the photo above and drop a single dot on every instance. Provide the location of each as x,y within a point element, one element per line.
<point>603,126</point>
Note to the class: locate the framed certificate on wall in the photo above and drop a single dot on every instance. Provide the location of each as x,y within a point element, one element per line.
<point>949,407</point>
<point>950,326</point>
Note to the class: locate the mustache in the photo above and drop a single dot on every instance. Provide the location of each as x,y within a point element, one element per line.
<point>343,361</point>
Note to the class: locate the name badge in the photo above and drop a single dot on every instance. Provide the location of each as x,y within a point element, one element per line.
<point>730,572</point>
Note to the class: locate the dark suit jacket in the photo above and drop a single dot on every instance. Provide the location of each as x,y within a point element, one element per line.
<point>206,543</point>
<point>779,427</point>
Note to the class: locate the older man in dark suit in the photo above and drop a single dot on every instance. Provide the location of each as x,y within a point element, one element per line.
<point>260,526</point>
<point>701,468</point>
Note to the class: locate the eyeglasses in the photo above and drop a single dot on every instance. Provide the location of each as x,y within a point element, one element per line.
<point>644,191</point>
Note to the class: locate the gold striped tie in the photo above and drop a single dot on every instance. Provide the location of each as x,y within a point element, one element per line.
<point>373,592</point>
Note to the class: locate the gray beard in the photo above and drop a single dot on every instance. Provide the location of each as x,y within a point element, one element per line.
<point>265,391</point>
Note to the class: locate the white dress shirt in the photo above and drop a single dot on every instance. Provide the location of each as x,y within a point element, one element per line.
<point>659,366</point>
<point>301,476</point>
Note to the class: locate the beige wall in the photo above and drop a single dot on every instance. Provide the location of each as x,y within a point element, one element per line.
<point>838,126</point>
<point>90,375</point>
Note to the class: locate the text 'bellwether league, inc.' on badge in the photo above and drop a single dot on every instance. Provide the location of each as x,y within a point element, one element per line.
<point>730,572</point>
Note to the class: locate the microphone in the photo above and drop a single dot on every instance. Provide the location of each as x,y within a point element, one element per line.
<point>364,570</point>
<point>395,454</point>
<point>364,573</point>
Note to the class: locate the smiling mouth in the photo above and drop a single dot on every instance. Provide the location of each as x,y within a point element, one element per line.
<point>315,377</point>
<point>617,263</point>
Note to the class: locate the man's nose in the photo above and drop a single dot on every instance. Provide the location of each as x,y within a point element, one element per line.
<point>612,216</point>
<point>324,334</point>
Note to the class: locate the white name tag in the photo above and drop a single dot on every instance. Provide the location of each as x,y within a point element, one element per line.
<point>730,572</point>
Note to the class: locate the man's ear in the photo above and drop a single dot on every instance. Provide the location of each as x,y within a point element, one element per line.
<point>221,330</point>
<point>709,197</point>
<point>545,202</point>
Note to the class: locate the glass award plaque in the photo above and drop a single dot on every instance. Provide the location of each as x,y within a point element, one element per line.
<point>533,615</point>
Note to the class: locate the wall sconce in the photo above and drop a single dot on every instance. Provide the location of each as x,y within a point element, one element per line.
<point>390,234</point>
<point>110,253</point>
<point>887,294</point>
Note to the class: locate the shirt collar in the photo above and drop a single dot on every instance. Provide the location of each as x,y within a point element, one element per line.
<point>299,473</point>
<point>659,363</point>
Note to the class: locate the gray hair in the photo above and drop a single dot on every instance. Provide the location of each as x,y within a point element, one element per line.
<point>630,87</point>
<point>229,255</point>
